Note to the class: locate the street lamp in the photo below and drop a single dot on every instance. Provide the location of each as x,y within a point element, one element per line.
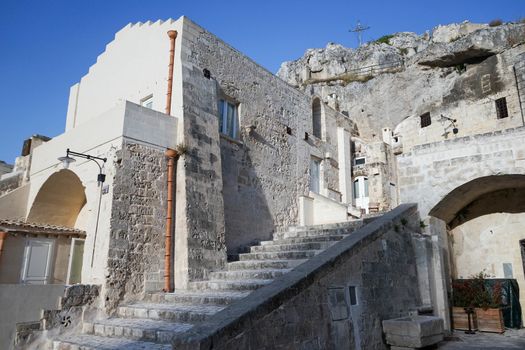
<point>100,178</point>
<point>68,160</point>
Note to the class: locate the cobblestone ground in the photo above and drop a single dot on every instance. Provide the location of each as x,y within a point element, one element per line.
<point>511,339</point>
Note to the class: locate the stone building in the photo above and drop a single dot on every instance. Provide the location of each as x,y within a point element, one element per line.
<point>220,177</point>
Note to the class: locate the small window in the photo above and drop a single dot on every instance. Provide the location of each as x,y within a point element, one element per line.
<point>501,108</point>
<point>316,118</point>
<point>359,161</point>
<point>353,295</point>
<point>425,120</point>
<point>147,102</point>
<point>228,118</point>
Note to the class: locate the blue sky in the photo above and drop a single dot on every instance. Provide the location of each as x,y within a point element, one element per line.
<point>46,46</point>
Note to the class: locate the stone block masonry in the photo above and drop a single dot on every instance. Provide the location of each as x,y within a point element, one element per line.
<point>136,245</point>
<point>335,300</point>
<point>263,171</point>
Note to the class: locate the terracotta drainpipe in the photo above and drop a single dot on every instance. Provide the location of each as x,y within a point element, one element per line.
<point>3,236</point>
<point>172,156</point>
<point>173,35</point>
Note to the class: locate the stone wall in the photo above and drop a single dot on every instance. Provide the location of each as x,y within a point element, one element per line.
<point>310,307</point>
<point>10,183</point>
<point>470,101</point>
<point>136,244</point>
<point>432,171</point>
<point>266,169</point>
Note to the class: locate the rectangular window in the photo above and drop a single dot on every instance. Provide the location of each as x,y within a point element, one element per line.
<point>315,172</point>
<point>228,118</point>
<point>501,108</point>
<point>425,120</point>
<point>147,102</point>
<point>359,161</point>
<point>353,295</point>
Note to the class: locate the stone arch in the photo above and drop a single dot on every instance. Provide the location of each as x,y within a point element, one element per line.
<point>482,196</point>
<point>59,200</point>
<point>317,117</point>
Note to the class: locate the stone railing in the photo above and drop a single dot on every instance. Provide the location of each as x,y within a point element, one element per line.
<point>336,299</point>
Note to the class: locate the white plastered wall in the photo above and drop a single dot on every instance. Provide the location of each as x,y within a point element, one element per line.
<point>101,136</point>
<point>133,66</point>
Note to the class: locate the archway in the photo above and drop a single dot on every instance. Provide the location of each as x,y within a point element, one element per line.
<point>59,200</point>
<point>485,220</point>
<point>482,196</point>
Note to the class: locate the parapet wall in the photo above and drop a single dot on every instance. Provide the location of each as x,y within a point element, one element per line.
<point>310,307</point>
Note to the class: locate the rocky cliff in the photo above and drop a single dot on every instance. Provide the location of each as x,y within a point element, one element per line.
<point>399,75</point>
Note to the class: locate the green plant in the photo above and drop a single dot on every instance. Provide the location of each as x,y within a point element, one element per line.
<point>404,221</point>
<point>495,22</point>
<point>385,39</point>
<point>396,228</point>
<point>422,224</point>
<point>181,149</point>
<point>474,293</point>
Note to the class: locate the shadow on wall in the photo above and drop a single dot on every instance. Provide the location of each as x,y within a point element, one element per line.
<point>482,196</point>
<point>59,200</point>
<point>246,213</point>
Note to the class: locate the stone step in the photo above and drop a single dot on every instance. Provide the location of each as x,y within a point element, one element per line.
<point>93,342</point>
<point>244,284</point>
<point>263,264</point>
<point>197,297</point>
<point>321,230</point>
<point>248,274</point>
<point>314,233</point>
<point>171,312</point>
<point>291,247</point>
<point>326,238</point>
<point>278,255</point>
<point>136,329</point>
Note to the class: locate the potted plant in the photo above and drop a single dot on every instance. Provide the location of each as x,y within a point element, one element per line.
<point>463,306</point>
<point>488,306</point>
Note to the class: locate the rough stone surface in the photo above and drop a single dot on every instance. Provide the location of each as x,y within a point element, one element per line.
<point>458,72</point>
<point>295,312</point>
<point>263,171</point>
<point>413,331</point>
<point>137,222</point>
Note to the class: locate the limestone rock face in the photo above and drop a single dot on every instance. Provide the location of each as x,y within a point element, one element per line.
<point>406,74</point>
<point>476,45</point>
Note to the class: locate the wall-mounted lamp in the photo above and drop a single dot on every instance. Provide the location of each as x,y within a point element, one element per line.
<point>68,160</point>
<point>455,129</point>
<point>100,178</point>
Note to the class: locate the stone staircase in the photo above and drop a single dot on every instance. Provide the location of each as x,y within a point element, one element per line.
<point>154,322</point>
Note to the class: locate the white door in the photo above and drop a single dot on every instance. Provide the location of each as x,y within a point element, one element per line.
<point>38,254</point>
<point>361,192</point>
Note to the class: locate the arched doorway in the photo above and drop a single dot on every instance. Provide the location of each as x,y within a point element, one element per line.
<point>59,200</point>
<point>485,220</point>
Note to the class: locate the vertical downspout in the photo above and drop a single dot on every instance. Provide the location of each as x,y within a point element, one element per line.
<point>171,155</point>
<point>173,35</point>
<point>3,236</point>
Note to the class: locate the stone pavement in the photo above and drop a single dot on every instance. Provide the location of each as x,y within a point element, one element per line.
<point>511,339</point>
